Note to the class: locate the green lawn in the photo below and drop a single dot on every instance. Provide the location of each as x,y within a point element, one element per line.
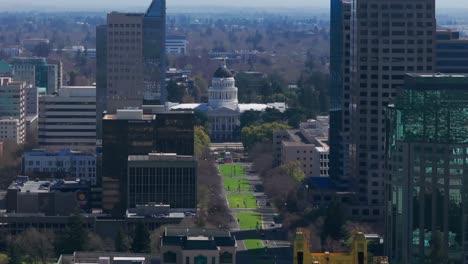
<point>241,200</point>
<point>236,184</point>
<point>249,220</point>
<point>231,170</point>
<point>252,244</point>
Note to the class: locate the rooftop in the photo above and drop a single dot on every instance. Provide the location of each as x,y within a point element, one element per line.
<point>62,153</point>
<point>129,114</point>
<point>161,156</point>
<point>198,239</point>
<point>24,185</point>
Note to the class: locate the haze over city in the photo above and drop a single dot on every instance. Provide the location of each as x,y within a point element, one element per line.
<point>52,5</point>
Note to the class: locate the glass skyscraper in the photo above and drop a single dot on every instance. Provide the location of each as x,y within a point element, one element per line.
<point>427,171</point>
<point>154,53</point>
<point>339,85</point>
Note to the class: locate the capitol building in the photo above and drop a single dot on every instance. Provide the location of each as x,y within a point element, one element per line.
<point>223,108</point>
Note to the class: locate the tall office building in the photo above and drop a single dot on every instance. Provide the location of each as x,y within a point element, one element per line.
<point>131,58</point>
<point>101,76</point>
<point>389,38</point>
<point>451,52</point>
<point>12,110</point>
<point>67,120</point>
<point>154,53</point>
<point>162,178</point>
<point>130,132</point>
<point>427,176</point>
<point>340,43</point>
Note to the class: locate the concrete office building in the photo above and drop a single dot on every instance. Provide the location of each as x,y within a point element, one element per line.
<point>65,164</point>
<point>340,88</point>
<point>427,163</point>
<point>131,58</point>
<point>389,38</point>
<point>176,45</point>
<point>451,52</point>
<point>130,132</point>
<point>32,100</point>
<point>180,246</point>
<point>67,120</point>
<point>51,198</point>
<point>162,179</point>
<point>37,71</point>
<point>308,145</point>
<point>13,109</point>
<point>10,130</point>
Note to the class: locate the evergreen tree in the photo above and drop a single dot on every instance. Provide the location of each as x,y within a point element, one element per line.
<point>333,226</point>
<point>75,237</point>
<point>122,243</point>
<point>141,240</point>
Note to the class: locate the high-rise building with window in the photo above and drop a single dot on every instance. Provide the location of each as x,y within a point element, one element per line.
<point>162,178</point>
<point>67,120</point>
<point>451,52</point>
<point>12,110</point>
<point>427,164</point>
<point>130,132</point>
<point>389,38</point>
<point>39,72</point>
<point>340,43</point>
<point>131,58</point>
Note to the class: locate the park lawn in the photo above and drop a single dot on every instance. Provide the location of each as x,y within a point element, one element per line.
<point>252,244</point>
<point>231,170</point>
<point>236,184</point>
<point>241,200</point>
<point>249,220</point>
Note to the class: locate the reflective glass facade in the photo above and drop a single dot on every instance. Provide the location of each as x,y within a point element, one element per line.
<point>427,171</point>
<point>154,53</point>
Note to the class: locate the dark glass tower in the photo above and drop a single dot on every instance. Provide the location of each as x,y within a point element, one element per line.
<point>101,76</point>
<point>154,53</point>
<point>132,133</point>
<point>339,85</point>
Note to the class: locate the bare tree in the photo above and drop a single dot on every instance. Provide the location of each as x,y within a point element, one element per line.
<point>35,246</point>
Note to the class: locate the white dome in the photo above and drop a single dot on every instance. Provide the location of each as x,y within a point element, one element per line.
<point>223,93</point>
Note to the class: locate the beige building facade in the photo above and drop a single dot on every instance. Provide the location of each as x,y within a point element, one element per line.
<point>308,145</point>
<point>124,61</point>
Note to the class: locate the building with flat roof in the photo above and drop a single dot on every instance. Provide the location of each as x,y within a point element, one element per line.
<point>182,246</point>
<point>308,145</point>
<point>162,179</point>
<point>388,39</point>
<point>38,71</point>
<point>131,58</point>
<point>82,257</point>
<point>426,163</point>
<point>130,132</point>
<point>67,120</point>
<point>451,52</point>
<point>340,87</point>
<point>64,164</point>
<point>52,198</point>
<point>176,45</point>
<point>13,109</point>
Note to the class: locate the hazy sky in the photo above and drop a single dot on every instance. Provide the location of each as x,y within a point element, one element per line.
<point>119,4</point>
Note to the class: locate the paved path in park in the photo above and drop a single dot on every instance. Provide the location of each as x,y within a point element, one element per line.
<point>276,247</point>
